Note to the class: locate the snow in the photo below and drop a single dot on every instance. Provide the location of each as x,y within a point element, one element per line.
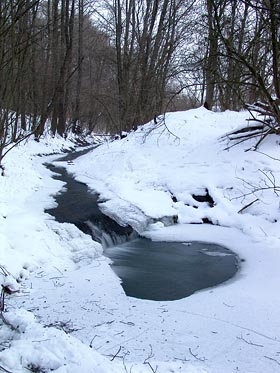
<point>71,313</point>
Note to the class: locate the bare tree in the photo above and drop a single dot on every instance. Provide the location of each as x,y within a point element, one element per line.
<point>211,75</point>
<point>16,24</point>
<point>257,56</point>
<point>146,37</point>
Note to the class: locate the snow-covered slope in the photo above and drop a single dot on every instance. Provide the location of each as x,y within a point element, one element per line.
<point>141,174</point>
<point>152,179</point>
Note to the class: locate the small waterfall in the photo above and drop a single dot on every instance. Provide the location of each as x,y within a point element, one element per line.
<point>109,239</point>
<point>79,206</point>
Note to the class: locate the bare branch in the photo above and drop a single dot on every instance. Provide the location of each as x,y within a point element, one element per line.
<point>203,358</point>
<point>269,156</point>
<point>249,342</point>
<point>149,357</point>
<point>248,205</point>
<point>116,354</point>
<point>270,358</point>
<point>5,370</point>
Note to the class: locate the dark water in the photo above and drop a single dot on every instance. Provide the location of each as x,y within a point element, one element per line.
<point>79,206</point>
<point>148,270</point>
<point>170,270</point>
<point>76,154</point>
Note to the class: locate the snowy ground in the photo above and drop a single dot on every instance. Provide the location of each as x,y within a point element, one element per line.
<point>71,287</point>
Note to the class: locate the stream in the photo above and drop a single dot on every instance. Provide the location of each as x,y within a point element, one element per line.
<point>151,270</point>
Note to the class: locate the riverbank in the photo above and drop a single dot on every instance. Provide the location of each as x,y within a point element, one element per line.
<point>91,324</point>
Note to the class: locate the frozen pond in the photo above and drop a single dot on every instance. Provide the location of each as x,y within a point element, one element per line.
<point>170,270</point>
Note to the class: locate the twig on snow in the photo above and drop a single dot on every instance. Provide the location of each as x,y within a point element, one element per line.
<point>128,323</point>
<point>249,342</point>
<point>267,155</point>
<point>124,364</point>
<point>104,323</point>
<point>228,305</point>
<point>149,364</point>
<point>184,360</point>
<point>119,350</point>
<point>121,332</point>
<point>4,270</point>
<point>248,205</point>
<point>2,300</point>
<point>5,370</point>
<point>203,358</point>
<point>149,357</point>
<point>66,326</point>
<point>90,345</point>
<point>271,358</point>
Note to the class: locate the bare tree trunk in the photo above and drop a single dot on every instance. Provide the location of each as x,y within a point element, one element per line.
<point>80,66</point>
<point>212,57</point>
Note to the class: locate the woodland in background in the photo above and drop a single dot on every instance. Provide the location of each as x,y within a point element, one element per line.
<point>110,65</point>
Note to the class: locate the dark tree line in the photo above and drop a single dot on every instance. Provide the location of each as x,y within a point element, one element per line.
<point>247,60</point>
<point>52,62</point>
<point>147,34</point>
<point>247,34</point>
<point>109,65</point>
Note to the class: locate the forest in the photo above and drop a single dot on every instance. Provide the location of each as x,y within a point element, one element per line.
<point>110,65</point>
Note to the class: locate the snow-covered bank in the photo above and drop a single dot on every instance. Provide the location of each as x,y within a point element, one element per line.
<point>28,236</point>
<point>30,240</point>
<point>151,182</point>
<point>141,175</point>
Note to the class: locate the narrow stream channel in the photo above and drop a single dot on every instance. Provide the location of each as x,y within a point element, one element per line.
<point>149,270</point>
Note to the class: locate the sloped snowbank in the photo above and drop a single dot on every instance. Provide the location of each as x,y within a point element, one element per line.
<point>28,237</point>
<point>157,172</point>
